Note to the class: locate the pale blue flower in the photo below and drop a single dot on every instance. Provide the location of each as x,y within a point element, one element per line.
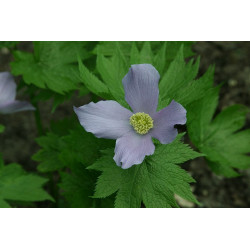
<point>8,104</point>
<point>133,131</point>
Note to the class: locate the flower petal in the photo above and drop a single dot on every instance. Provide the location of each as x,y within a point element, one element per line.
<point>141,88</point>
<point>132,148</point>
<point>105,119</point>
<point>164,122</point>
<point>7,87</point>
<point>15,106</point>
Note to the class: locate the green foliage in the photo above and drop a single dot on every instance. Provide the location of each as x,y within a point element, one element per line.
<point>9,44</point>
<point>180,82</point>
<point>173,47</point>
<point>218,139</point>
<point>82,147</point>
<point>37,94</point>
<point>146,54</point>
<point>154,182</point>
<point>77,188</point>
<point>160,58</point>
<point>2,128</point>
<point>41,95</point>
<point>52,65</point>
<point>170,51</point>
<point>76,147</point>
<point>114,60</point>
<point>178,75</point>
<point>92,82</point>
<point>17,185</point>
<point>49,155</point>
<point>68,149</point>
<point>108,48</point>
<point>112,71</point>
<point>200,98</point>
<point>1,162</point>
<point>71,157</point>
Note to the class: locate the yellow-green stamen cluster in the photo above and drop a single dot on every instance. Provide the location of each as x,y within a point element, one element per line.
<point>141,123</point>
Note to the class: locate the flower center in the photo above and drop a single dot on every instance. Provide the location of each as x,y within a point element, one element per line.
<point>141,123</point>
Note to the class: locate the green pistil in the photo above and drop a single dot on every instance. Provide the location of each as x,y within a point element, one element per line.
<point>141,123</point>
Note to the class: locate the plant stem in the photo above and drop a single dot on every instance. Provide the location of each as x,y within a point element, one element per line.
<point>38,120</point>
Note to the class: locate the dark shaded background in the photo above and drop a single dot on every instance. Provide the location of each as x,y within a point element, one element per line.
<point>232,61</point>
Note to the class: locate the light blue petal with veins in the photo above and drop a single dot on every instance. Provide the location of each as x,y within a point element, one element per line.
<point>105,119</point>
<point>164,122</point>
<point>141,88</point>
<point>132,148</point>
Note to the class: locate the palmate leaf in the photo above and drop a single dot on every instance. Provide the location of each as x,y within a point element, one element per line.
<point>159,54</point>
<point>160,59</point>
<point>77,188</point>
<point>200,99</point>
<point>146,54</point>
<point>49,155</point>
<point>68,149</point>
<point>108,49</point>
<point>17,185</point>
<point>95,85</point>
<point>154,182</point>
<point>82,147</point>
<point>217,138</point>
<point>112,70</point>
<point>53,65</point>
<point>115,58</point>
<point>178,76</point>
<point>58,151</point>
<point>174,46</point>
<point>180,82</point>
